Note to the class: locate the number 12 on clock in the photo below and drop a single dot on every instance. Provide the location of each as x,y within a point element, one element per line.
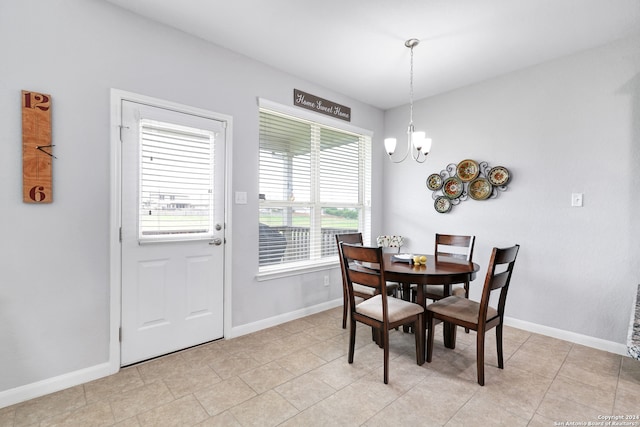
<point>37,154</point>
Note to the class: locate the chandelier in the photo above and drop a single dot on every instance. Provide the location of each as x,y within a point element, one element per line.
<point>417,142</point>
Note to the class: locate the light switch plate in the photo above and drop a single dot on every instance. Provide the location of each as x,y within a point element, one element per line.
<point>576,199</point>
<point>241,197</point>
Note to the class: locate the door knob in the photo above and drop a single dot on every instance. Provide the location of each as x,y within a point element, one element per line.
<point>217,241</point>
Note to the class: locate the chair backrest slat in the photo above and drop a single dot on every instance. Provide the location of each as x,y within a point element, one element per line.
<point>368,279</point>
<point>507,255</point>
<point>446,245</point>
<point>500,280</point>
<point>349,238</point>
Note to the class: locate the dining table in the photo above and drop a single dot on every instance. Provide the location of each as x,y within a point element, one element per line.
<point>444,271</point>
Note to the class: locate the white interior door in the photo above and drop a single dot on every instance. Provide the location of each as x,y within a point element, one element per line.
<point>172,230</point>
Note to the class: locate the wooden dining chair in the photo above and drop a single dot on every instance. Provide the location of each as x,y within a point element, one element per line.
<point>449,245</point>
<point>480,316</point>
<point>361,293</point>
<point>382,312</point>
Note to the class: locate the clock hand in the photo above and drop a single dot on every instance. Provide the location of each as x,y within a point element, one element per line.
<point>41,148</point>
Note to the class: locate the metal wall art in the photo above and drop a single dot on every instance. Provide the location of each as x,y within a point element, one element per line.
<point>468,178</point>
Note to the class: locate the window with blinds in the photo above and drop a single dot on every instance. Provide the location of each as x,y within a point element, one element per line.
<point>314,184</point>
<point>176,182</point>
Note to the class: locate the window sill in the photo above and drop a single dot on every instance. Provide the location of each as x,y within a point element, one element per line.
<point>269,273</point>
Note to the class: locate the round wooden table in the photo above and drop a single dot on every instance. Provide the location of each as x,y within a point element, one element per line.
<point>441,270</point>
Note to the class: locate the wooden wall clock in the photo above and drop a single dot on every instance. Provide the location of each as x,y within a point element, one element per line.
<point>37,152</point>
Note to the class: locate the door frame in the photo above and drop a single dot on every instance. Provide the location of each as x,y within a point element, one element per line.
<point>115,246</point>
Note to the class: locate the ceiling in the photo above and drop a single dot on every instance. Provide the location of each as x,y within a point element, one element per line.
<point>356,47</point>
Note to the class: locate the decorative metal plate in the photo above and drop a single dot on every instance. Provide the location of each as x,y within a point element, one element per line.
<point>499,176</point>
<point>452,187</point>
<point>468,170</point>
<point>434,182</point>
<point>480,189</point>
<point>442,204</point>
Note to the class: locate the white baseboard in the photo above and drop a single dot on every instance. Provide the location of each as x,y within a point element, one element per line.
<point>51,385</point>
<point>282,318</point>
<point>597,343</point>
<point>600,344</point>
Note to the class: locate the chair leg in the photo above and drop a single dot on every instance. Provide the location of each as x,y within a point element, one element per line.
<point>449,331</point>
<point>385,346</point>
<point>345,306</point>
<point>406,295</point>
<point>376,337</point>
<point>418,327</point>
<point>352,340</point>
<point>466,295</point>
<point>429,337</point>
<point>499,344</point>
<point>480,356</point>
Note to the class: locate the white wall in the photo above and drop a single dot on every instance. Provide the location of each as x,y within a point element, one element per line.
<point>570,125</point>
<point>54,291</point>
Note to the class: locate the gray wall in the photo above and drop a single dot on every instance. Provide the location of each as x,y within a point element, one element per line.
<point>54,293</point>
<point>570,125</point>
<point>562,127</point>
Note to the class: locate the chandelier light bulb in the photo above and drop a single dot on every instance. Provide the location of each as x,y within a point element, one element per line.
<point>390,145</point>
<point>418,140</point>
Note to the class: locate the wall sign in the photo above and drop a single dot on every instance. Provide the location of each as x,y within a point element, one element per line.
<point>36,148</point>
<point>320,105</point>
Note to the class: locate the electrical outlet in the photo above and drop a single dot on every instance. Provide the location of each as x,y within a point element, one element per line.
<point>326,280</point>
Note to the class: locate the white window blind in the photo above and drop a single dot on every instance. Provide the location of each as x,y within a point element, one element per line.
<point>314,184</point>
<point>176,181</point>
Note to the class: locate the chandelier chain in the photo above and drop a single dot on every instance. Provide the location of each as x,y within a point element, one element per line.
<point>411,89</point>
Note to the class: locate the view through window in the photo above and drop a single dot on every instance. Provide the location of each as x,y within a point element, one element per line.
<point>176,179</point>
<point>314,184</point>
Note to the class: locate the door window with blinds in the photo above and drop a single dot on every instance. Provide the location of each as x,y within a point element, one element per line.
<point>176,182</point>
<point>314,184</point>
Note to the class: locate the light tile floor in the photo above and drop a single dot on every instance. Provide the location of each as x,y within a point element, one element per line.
<point>297,374</point>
